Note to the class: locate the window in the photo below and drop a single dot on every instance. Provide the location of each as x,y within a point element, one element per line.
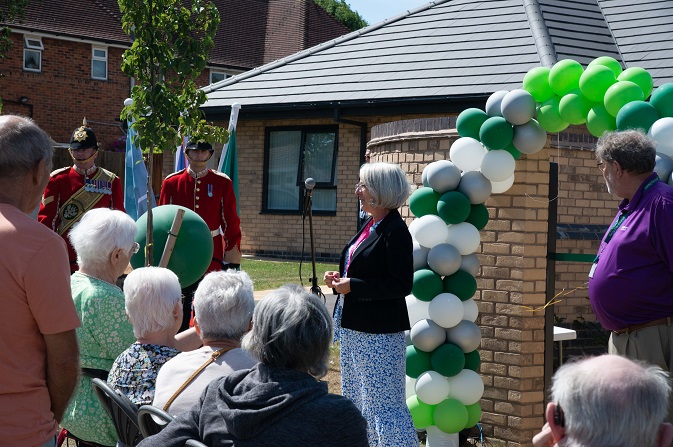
<point>217,76</point>
<point>99,63</point>
<point>32,53</point>
<point>294,154</point>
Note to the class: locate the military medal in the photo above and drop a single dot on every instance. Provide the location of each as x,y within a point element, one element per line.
<point>210,190</point>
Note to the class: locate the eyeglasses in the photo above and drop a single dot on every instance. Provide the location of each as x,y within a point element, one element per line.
<point>360,185</point>
<point>135,249</point>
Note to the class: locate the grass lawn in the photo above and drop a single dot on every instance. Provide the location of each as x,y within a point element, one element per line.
<point>267,275</point>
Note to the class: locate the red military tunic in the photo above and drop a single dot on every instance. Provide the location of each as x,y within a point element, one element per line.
<point>211,195</point>
<point>63,184</point>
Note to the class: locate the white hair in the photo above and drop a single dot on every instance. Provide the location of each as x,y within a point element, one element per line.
<point>100,232</point>
<point>22,146</point>
<point>223,305</point>
<point>387,184</point>
<point>619,408</point>
<point>151,295</point>
<point>291,329</point>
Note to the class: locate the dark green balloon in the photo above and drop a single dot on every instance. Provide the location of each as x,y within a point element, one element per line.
<point>461,284</point>
<point>662,100</point>
<point>453,207</point>
<point>423,201</point>
<point>478,216</point>
<point>637,115</point>
<point>516,153</point>
<point>418,362</point>
<point>496,133</point>
<point>448,359</point>
<point>193,249</point>
<point>472,360</point>
<point>427,284</point>
<point>469,122</point>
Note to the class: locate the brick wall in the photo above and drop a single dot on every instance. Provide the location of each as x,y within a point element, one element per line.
<point>64,93</point>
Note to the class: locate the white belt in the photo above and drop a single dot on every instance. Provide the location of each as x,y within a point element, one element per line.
<point>216,232</point>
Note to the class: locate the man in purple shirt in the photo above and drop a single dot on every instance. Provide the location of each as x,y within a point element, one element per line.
<point>631,279</point>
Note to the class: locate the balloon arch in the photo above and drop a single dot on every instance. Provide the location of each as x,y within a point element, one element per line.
<point>443,387</point>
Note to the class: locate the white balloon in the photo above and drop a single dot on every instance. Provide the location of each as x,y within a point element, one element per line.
<point>432,387</point>
<point>518,107</point>
<point>409,386</point>
<point>464,236</point>
<point>128,102</point>
<point>466,386</point>
<point>427,335</point>
<point>529,138</point>
<point>475,186</point>
<point>470,310</point>
<point>663,166</point>
<point>420,254</point>
<point>417,309</point>
<point>465,334</point>
<point>670,180</point>
<point>662,132</point>
<point>444,259</point>
<point>494,102</point>
<point>407,338</point>
<point>466,153</point>
<point>500,187</point>
<point>430,230</point>
<point>446,309</point>
<point>470,263</point>
<point>498,165</point>
<point>442,176</point>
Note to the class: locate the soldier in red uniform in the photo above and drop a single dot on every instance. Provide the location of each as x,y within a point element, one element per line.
<point>76,189</point>
<point>211,195</point>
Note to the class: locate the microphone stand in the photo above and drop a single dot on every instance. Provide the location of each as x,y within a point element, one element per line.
<point>314,281</point>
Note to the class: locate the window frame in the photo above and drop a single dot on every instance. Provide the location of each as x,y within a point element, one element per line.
<point>213,71</point>
<point>332,185</point>
<point>95,58</point>
<point>35,47</point>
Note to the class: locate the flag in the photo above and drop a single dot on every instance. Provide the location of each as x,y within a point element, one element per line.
<point>135,179</point>
<point>229,159</point>
<point>181,161</point>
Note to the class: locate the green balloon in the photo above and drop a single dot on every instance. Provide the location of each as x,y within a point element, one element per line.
<point>193,250</point>
<point>417,362</point>
<point>536,82</point>
<point>473,415</point>
<point>639,76</point>
<point>472,360</point>
<point>461,284</point>
<point>600,121</point>
<point>469,122</point>
<point>453,207</point>
<point>548,116</point>
<point>423,201</point>
<point>637,115</point>
<point>450,416</point>
<point>496,133</point>
<point>564,76</point>
<point>448,359</point>
<point>478,215</point>
<point>516,153</point>
<point>662,100</point>
<point>422,414</point>
<point>620,94</point>
<point>609,62</point>
<point>574,107</point>
<point>595,81</point>
<point>427,284</point>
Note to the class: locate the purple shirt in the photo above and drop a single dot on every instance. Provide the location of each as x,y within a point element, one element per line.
<point>633,279</point>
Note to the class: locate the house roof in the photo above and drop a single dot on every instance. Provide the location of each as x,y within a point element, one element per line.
<point>449,54</point>
<point>251,32</point>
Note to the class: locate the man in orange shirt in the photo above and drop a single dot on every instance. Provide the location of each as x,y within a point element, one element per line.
<point>39,357</point>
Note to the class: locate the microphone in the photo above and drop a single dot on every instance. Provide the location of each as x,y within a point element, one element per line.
<point>309,184</point>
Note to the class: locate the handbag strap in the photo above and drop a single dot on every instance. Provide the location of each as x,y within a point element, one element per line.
<point>191,378</point>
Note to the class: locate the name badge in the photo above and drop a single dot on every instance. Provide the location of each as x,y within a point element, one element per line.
<point>593,270</point>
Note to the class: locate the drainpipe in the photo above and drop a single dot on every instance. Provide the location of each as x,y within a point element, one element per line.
<point>363,132</point>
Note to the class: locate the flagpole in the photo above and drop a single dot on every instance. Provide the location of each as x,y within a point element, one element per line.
<point>233,121</point>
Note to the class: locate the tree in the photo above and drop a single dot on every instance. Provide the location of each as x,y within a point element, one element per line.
<point>171,43</point>
<point>342,11</point>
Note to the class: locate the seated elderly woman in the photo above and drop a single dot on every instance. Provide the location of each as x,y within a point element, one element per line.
<point>154,306</point>
<point>103,241</point>
<point>223,305</point>
<point>279,401</point>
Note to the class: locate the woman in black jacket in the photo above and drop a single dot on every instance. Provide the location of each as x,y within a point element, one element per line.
<point>375,275</point>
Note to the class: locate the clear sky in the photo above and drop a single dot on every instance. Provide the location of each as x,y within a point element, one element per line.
<point>374,11</point>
